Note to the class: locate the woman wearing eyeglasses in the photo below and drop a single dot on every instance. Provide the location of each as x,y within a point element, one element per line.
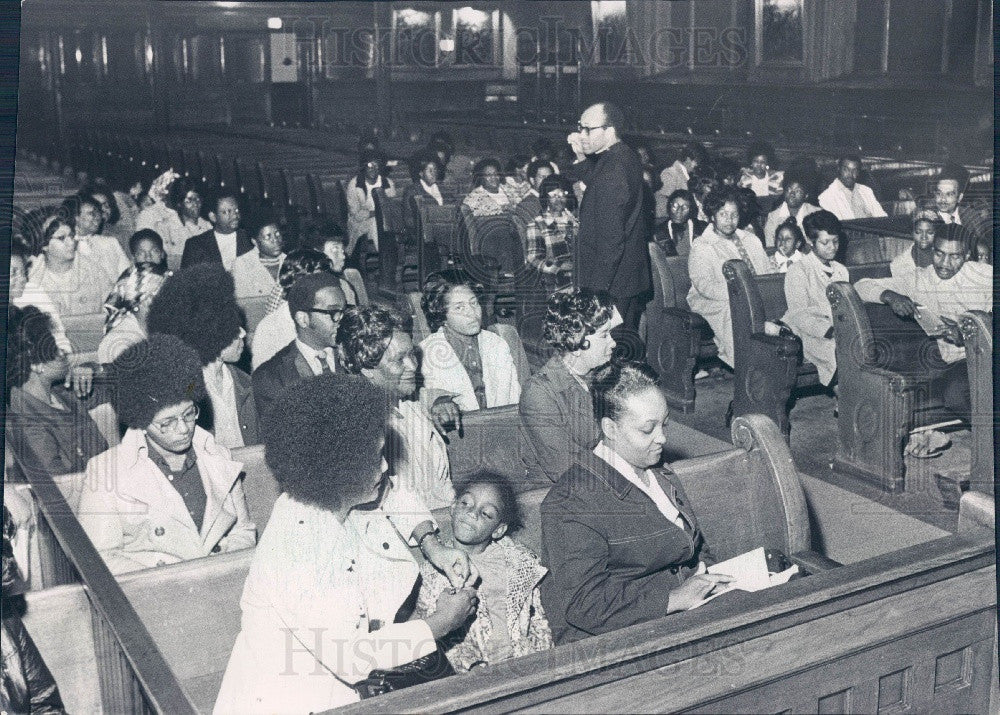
<point>168,492</point>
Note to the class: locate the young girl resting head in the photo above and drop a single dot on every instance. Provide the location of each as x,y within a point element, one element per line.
<point>509,621</point>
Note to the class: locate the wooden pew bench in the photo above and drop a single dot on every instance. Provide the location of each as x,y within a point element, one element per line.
<point>915,626</point>
<point>883,391</point>
<point>677,339</point>
<point>769,369</point>
<point>191,609</point>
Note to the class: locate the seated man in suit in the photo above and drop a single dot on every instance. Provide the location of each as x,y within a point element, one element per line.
<point>316,302</point>
<point>845,198</point>
<point>224,242</point>
<point>949,189</point>
<point>948,287</point>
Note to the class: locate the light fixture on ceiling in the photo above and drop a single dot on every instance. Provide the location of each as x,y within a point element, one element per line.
<point>274,23</point>
<point>447,44</point>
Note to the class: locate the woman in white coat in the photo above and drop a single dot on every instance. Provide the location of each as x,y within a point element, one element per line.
<point>361,200</point>
<point>809,314</point>
<point>168,492</point>
<point>333,568</point>
<point>723,240</point>
<point>460,358</point>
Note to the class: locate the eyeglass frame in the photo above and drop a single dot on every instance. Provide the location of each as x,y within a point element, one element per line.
<point>189,417</point>
<point>329,312</point>
<point>587,130</point>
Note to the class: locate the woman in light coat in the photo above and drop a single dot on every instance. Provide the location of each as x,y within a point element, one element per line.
<point>460,358</point>
<point>809,314</point>
<point>720,242</point>
<point>361,221</point>
<point>168,492</point>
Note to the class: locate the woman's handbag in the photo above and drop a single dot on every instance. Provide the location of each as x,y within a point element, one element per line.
<point>422,670</point>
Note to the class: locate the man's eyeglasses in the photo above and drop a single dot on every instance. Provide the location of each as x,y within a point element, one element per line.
<point>172,423</point>
<point>587,130</point>
<point>335,314</point>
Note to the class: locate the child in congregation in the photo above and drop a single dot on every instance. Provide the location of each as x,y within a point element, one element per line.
<point>509,621</point>
<point>787,241</point>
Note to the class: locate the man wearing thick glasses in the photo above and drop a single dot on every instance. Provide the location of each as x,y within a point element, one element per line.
<point>611,247</point>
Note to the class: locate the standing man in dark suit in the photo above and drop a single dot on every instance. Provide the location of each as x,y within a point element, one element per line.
<point>611,246</point>
<point>317,303</point>
<point>224,242</point>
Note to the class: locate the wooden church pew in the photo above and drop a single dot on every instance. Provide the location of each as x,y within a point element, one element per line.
<point>882,388</point>
<point>84,331</point>
<point>838,629</point>
<point>767,369</point>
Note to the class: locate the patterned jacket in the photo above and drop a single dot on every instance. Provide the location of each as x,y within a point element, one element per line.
<point>526,622</point>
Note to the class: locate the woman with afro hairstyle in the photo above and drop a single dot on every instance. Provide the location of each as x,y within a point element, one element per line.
<point>169,492</point>
<point>460,358</point>
<point>373,342</point>
<point>555,405</point>
<point>333,562</point>
<point>277,328</point>
<point>48,427</point>
<point>127,307</point>
<point>198,306</point>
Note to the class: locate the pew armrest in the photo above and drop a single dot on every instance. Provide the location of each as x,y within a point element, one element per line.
<point>813,562</point>
<point>782,346</point>
<point>976,511</point>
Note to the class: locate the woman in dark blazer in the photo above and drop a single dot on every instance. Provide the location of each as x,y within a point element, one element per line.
<point>48,426</point>
<point>555,407</point>
<point>618,535</point>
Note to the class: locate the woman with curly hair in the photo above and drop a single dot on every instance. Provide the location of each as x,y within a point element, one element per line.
<point>487,197</point>
<point>127,307</point>
<point>277,329</point>
<point>723,240</point>
<point>509,620</point>
<point>333,562</point>
<point>187,484</point>
<point>459,357</point>
<point>48,427</point>
<point>197,305</point>
<point>373,342</point>
<point>555,405</point>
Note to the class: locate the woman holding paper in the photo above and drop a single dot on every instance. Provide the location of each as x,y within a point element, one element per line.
<point>618,535</point>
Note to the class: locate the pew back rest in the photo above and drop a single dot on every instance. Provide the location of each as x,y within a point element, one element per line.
<point>870,335</point>
<point>749,496</point>
<point>84,331</point>
<point>663,286</point>
<point>259,484</point>
<point>491,440</point>
<point>439,225</point>
<point>678,277</point>
<point>753,299</point>
<point>192,612</point>
<point>59,621</point>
